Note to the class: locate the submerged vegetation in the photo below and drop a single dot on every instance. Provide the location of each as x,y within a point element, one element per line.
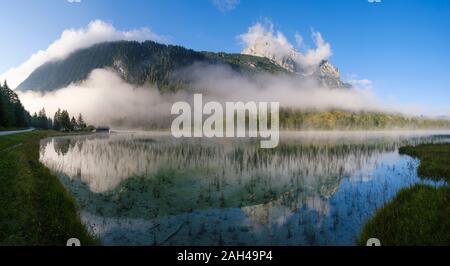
<point>154,190</point>
<point>133,188</point>
<point>35,209</point>
<point>418,215</point>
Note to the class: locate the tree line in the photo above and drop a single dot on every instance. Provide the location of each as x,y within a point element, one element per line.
<point>61,121</point>
<point>14,115</point>
<point>293,119</point>
<point>12,112</point>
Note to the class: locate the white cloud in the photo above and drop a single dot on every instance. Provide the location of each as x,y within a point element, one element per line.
<point>73,39</point>
<point>313,57</point>
<point>221,83</point>
<point>105,99</point>
<point>263,40</point>
<point>360,83</point>
<point>225,5</point>
<point>299,40</point>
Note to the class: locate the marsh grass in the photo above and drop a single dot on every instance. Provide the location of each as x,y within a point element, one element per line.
<point>418,215</point>
<point>434,160</point>
<point>229,192</point>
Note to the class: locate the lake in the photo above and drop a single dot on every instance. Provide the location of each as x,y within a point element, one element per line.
<point>315,188</point>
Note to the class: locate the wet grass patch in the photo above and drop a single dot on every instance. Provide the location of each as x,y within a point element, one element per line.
<point>35,209</point>
<point>418,215</point>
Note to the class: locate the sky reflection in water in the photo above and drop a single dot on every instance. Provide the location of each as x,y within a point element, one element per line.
<point>152,189</point>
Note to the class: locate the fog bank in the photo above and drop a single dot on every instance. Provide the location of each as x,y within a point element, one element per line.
<point>105,99</point>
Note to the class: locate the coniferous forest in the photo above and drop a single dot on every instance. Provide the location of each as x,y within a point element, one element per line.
<point>14,116</point>
<point>12,112</point>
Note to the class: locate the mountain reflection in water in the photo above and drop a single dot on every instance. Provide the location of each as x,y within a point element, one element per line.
<point>313,189</point>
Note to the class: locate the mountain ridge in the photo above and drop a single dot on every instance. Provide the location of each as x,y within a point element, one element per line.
<point>155,63</point>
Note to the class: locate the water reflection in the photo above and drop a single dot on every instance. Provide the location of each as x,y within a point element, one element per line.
<point>151,189</point>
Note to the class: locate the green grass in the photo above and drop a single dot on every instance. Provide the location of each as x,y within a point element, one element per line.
<point>419,215</point>
<point>35,209</point>
<point>434,160</point>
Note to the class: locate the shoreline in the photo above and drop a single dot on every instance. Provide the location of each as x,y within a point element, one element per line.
<point>35,208</point>
<point>428,195</point>
<point>418,215</point>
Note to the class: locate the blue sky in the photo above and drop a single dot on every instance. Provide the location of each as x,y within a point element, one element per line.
<point>401,46</point>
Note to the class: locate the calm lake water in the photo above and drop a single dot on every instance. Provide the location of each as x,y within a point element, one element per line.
<point>315,188</point>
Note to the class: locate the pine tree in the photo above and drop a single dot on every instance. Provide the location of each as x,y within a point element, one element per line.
<point>81,123</point>
<point>12,112</point>
<point>7,108</point>
<point>2,108</point>
<point>65,121</point>
<point>57,120</point>
<point>42,119</point>
<point>73,124</point>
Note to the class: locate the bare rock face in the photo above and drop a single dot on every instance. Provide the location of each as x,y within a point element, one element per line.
<point>287,57</point>
<point>329,76</point>
<point>327,69</point>
<point>283,58</point>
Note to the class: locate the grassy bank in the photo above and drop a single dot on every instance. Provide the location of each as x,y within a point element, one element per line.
<point>35,209</point>
<point>434,160</point>
<point>418,215</point>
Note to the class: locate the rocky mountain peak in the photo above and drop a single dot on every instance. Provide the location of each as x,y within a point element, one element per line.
<point>282,57</point>
<point>327,69</point>
<point>326,73</point>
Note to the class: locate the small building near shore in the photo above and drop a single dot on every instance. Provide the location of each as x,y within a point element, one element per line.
<point>101,129</point>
